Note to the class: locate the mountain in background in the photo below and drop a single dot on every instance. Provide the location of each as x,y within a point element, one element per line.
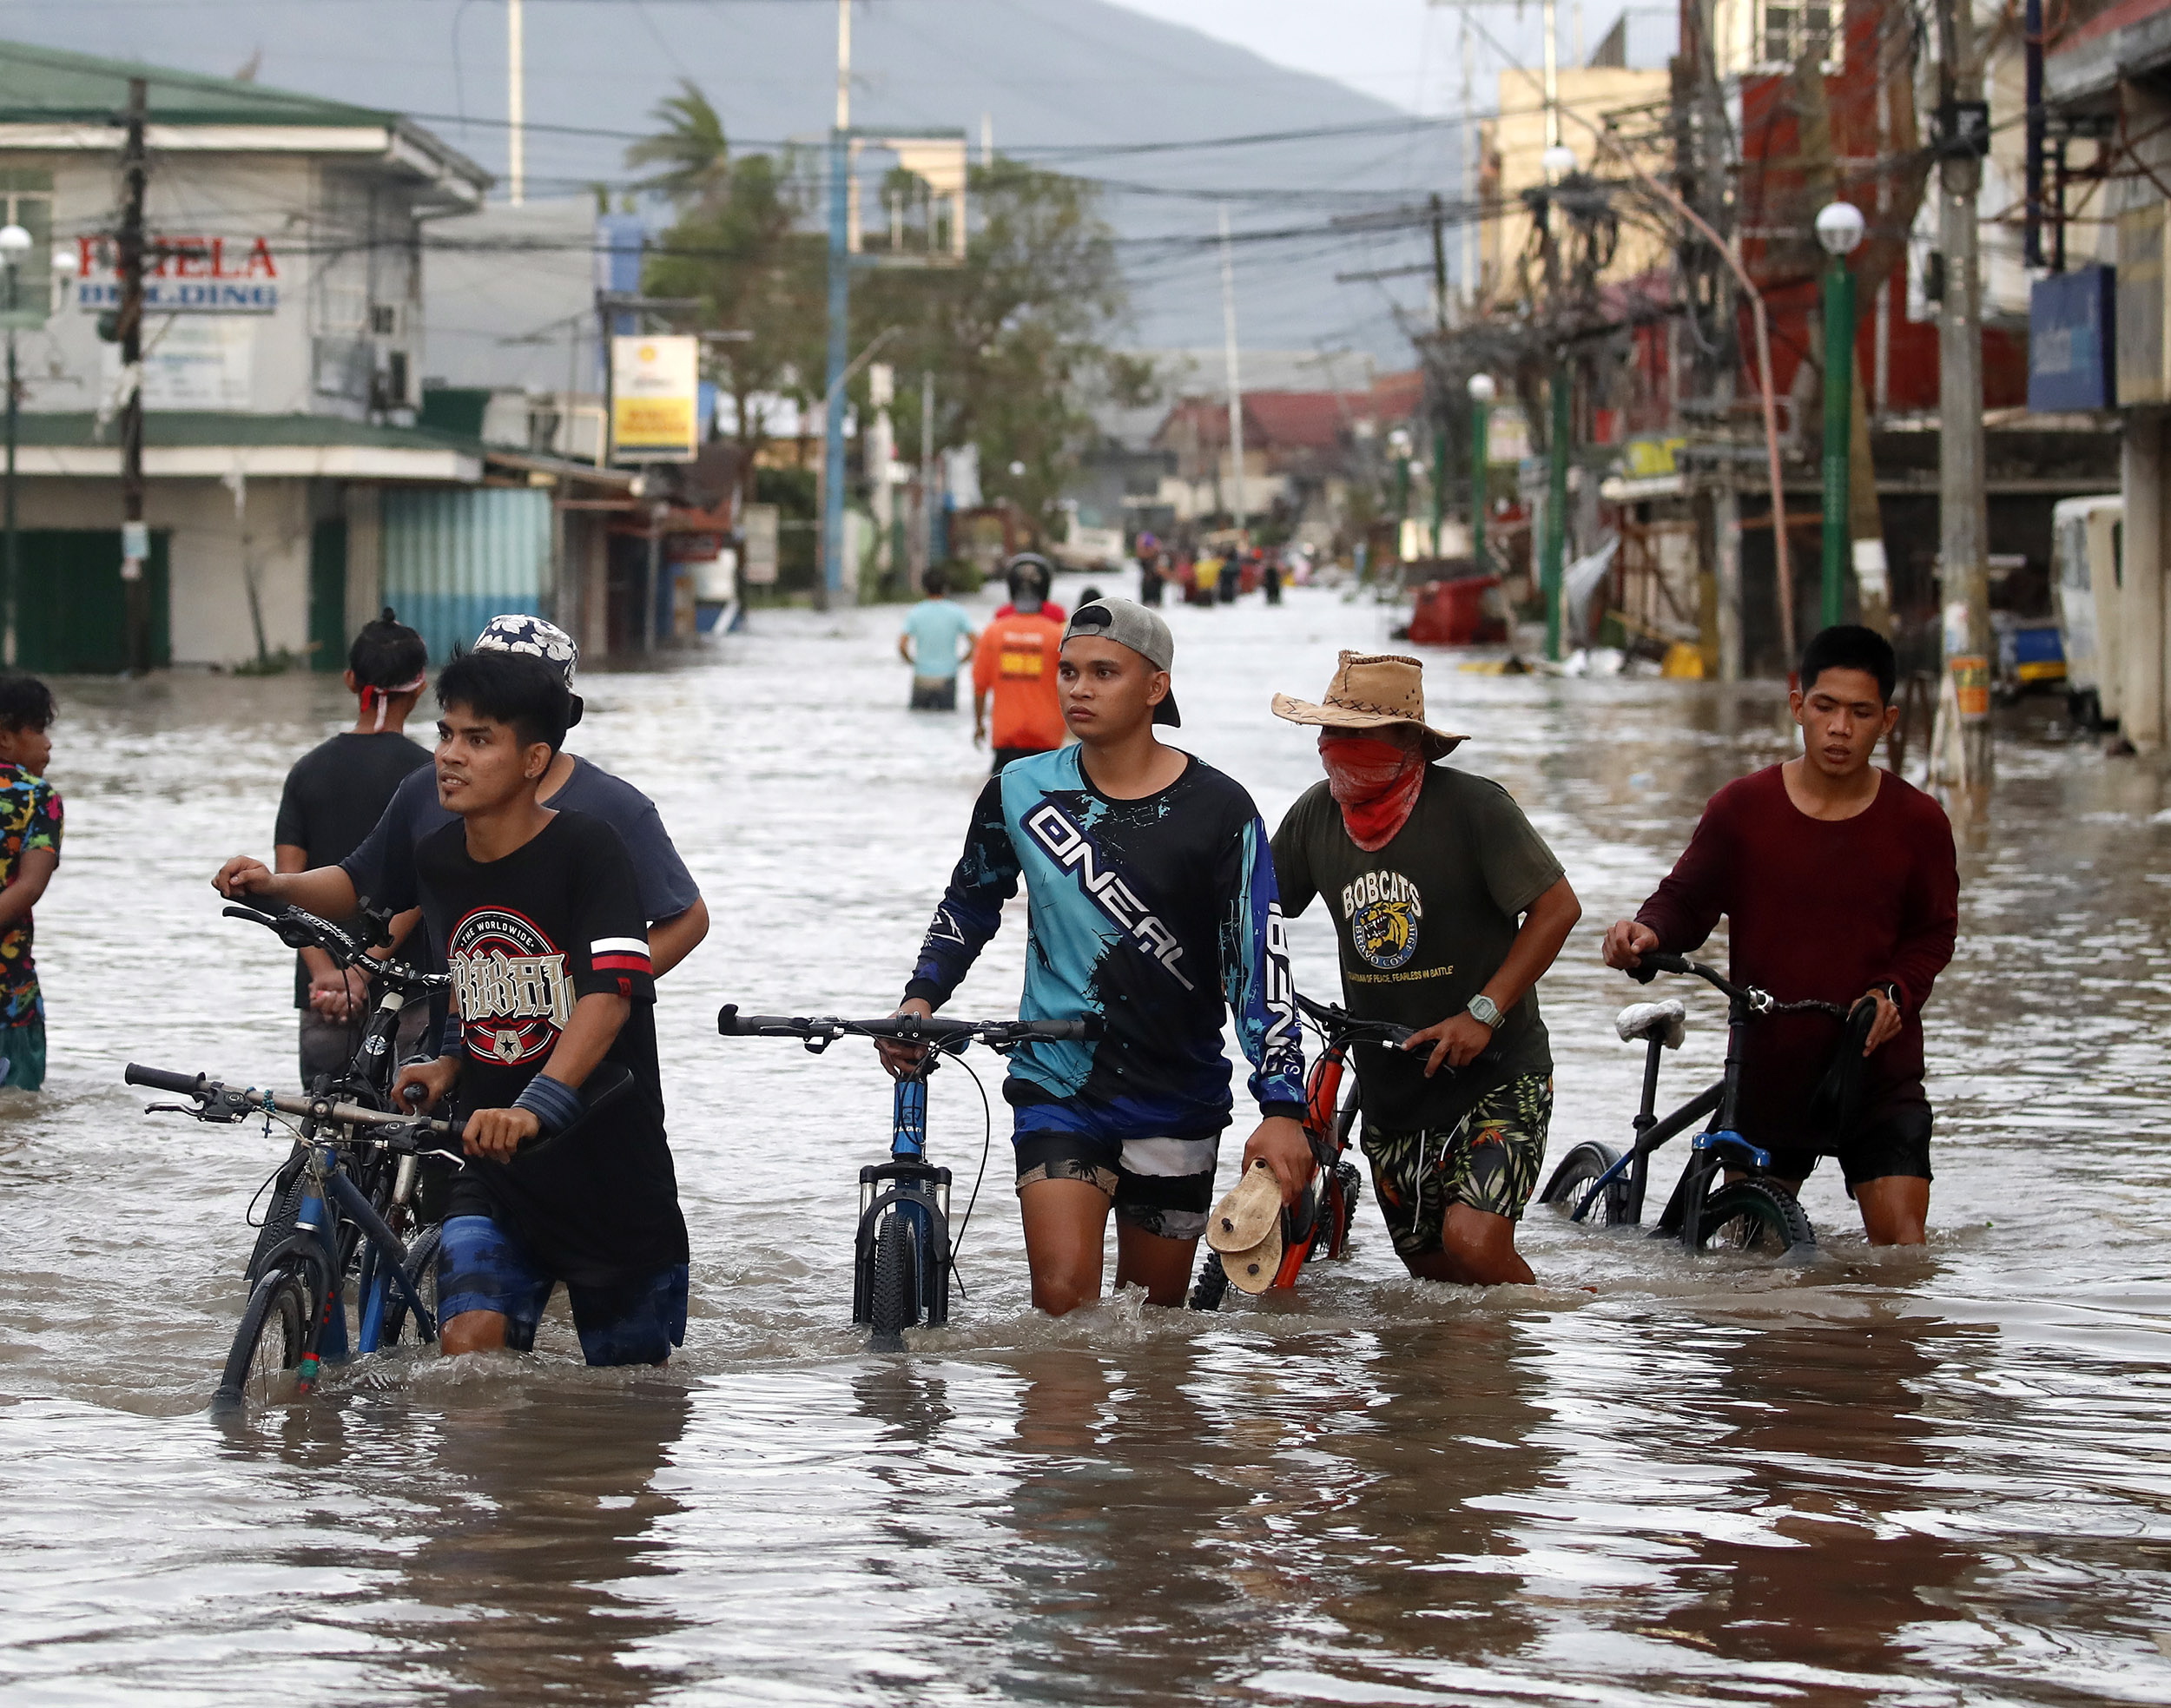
<point>1081,86</point>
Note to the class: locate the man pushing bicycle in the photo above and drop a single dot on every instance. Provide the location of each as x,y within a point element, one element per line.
<point>1839,884</point>
<point>1152,909</point>
<point>1448,908</point>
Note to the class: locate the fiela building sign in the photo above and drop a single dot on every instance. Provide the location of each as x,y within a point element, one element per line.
<point>184,275</point>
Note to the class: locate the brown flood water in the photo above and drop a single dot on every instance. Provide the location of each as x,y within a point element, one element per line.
<point>1933,1477</point>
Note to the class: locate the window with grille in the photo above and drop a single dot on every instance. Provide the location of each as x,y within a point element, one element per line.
<point>1793,32</point>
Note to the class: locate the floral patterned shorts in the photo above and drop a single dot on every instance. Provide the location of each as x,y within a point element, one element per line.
<point>1489,1160</point>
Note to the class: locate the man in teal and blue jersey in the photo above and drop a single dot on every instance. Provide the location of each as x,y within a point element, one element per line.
<point>1153,910</point>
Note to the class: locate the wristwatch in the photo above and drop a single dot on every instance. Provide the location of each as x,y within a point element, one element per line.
<point>1485,1011</point>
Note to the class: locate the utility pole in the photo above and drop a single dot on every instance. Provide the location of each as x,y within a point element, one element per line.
<point>831,585</point>
<point>926,471</point>
<point>1963,505</point>
<point>1440,405</point>
<point>1235,388</point>
<point>135,536</point>
<point>516,104</point>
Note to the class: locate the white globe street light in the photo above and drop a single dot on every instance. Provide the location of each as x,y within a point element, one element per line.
<point>15,243</point>
<point>1559,160</point>
<point>66,262</point>
<point>1483,389</point>
<point>1839,227</point>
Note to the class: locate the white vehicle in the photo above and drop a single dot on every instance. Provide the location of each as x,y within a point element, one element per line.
<point>2087,576</point>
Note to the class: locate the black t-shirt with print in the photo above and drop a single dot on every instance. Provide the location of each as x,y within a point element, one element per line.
<point>528,936</point>
<point>1422,924</point>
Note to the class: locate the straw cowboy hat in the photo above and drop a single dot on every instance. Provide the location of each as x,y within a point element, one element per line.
<point>1372,692</point>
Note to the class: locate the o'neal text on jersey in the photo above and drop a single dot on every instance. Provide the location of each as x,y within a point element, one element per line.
<point>1069,846</point>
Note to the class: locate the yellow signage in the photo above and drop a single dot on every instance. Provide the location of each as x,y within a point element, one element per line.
<point>655,399</point>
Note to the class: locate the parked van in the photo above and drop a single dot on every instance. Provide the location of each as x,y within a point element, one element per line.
<point>2087,575</point>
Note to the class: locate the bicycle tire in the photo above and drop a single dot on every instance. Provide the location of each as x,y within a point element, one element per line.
<point>894,1293</point>
<point>1572,1182</point>
<point>1756,1217</point>
<point>421,1271</point>
<point>1213,1285</point>
<point>1352,1180</point>
<point>264,1361</point>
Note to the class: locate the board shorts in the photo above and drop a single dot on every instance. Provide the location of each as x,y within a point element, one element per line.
<point>934,694</point>
<point>1158,1184</point>
<point>481,1267</point>
<point>23,1044</point>
<point>1893,1140</point>
<point>1489,1160</point>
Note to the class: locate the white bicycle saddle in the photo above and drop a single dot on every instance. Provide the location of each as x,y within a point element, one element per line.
<point>1666,1021</point>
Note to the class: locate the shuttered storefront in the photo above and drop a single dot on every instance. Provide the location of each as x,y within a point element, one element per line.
<point>72,610</point>
<point>457,556</point>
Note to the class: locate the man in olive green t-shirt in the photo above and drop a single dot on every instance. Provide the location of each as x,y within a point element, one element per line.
<point>1448,908</point>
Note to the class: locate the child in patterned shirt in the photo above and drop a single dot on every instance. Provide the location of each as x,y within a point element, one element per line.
<point>29,850</point>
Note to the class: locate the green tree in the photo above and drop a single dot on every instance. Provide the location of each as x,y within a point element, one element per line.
<point>1015,337</point>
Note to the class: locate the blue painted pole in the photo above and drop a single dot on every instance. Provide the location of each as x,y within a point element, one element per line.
<point>831,586</point>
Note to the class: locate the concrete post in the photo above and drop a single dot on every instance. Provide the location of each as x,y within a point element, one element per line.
<point>2140,604</point>
<point>1726,530</point>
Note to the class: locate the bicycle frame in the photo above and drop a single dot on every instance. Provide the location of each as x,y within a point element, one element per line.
<point>1717,1148</point>
<point>921,1194</point>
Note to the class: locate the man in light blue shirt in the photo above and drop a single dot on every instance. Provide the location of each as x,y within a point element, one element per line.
<point>937,636</point>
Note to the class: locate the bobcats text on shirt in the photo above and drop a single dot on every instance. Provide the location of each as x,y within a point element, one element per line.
<point>526,938</point>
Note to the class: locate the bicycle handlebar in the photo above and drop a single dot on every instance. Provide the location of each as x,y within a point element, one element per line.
<point>1654,961</point>
<point>299,929</point>
<point>220,1104</point>
<point>1331,1019</point>
<point>824,1030</point>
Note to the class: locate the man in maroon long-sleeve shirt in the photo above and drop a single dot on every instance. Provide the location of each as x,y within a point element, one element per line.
<point>1838,883</point>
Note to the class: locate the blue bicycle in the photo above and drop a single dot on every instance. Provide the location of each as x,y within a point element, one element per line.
<point>902,1253</point>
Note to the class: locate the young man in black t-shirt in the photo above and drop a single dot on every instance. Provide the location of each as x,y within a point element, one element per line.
<point>542,922</point>
<point>334,797</point>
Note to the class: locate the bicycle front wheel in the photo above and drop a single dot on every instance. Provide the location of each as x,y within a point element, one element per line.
<point>1580,1171</point>
<point>421,1272</point>
<point>263,1368</point>
<point>1213,1285</point>
<point>893,1305</point>
<point>1755,1216</point>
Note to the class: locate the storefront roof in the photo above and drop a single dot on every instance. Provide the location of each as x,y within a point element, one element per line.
<point>50,98</point>
<point>212,445</point>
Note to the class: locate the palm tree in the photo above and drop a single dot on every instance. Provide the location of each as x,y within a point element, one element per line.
<point>689,148</point>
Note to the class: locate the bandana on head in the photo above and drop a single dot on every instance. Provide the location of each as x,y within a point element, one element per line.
<point>531,636</point>
<point>382,697</point>
<point>1376,783</point>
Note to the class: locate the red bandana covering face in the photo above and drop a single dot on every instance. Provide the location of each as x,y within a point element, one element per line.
<point>1375,784</point>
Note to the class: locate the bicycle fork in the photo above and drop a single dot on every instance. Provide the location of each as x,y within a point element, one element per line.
<point>918,1193</point>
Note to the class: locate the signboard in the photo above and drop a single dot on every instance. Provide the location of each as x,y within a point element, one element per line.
<point>183,274</point>
<point>2072,327</point>
<point>758,528</point>
<point>654,399</point>
<point>190,363</point>
<point>1508,436</point>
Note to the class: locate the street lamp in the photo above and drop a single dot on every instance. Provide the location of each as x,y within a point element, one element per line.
<point>1839,228</point>
<point>1399,442</point>
<point>1482,391</point>
<point>1558,162</point>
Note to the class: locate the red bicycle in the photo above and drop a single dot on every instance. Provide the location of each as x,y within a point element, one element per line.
<point>1320,1221</point>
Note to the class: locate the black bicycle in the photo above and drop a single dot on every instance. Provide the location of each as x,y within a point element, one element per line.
<point>902,1253</point>
<point>354,1157</point>
<point>1600,1186</point>
<point>366,1080</point>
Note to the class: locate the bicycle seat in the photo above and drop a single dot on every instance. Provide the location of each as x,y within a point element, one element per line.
<point>1665,1021</point>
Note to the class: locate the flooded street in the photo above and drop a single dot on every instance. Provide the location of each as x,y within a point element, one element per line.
<point>1924,1477</point>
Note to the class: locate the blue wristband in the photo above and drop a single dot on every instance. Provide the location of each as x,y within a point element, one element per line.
<point>555,1105</point>
<point>452,1041</point>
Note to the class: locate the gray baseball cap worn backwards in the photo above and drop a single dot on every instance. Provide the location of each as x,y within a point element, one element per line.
<point>1130,623</point>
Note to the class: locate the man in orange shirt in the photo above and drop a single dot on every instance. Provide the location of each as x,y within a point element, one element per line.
<point>1015,663</point>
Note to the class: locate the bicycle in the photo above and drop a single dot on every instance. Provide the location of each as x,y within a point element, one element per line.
<point>1323,1217</point>
<point>1598,1185</point>
<point>394,986</point>
<point>902,1256</point>
<point>282,1339</point>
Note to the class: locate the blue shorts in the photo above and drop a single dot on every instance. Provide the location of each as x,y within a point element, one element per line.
<point>481,1267</point>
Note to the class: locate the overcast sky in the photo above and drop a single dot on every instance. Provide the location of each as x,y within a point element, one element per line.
<point>1406,51</point>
